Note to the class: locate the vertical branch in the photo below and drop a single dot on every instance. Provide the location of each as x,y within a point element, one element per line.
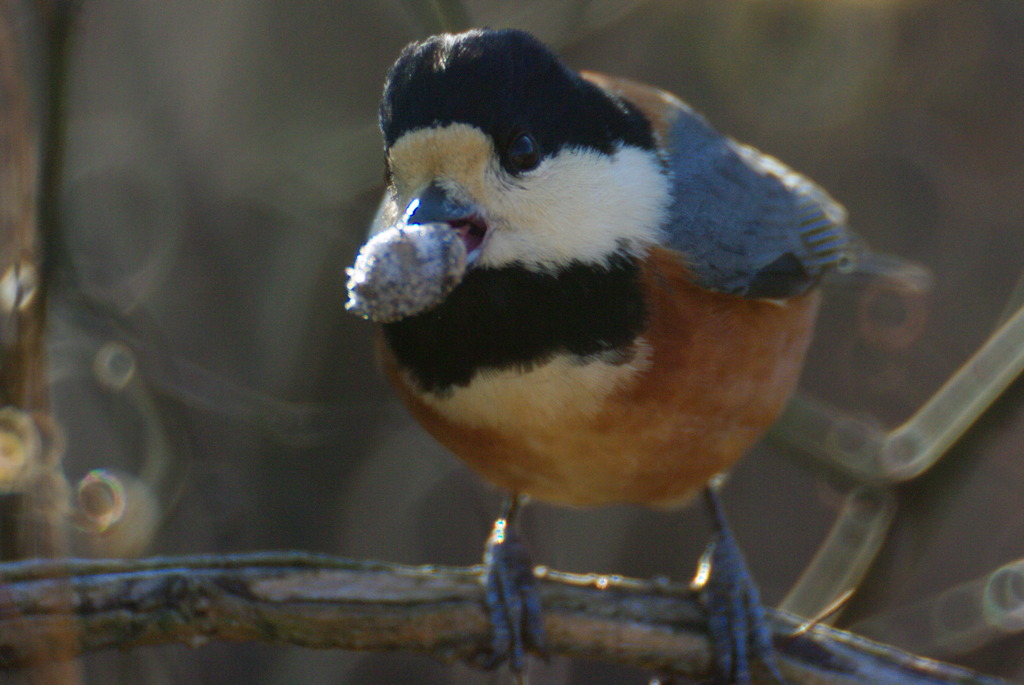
<point>35,494</point>
<point>32,517</point>
<point>46,514</point>
<point>22,308</point>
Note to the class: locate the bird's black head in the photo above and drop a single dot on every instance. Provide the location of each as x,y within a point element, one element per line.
<point>533,164</point>
<point>555,187</point>
<point>504,82</point>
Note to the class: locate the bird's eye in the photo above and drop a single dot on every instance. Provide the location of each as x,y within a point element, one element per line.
<point>522,153</point>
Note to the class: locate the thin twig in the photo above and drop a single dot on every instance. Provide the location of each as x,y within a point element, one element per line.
<point>316,601</point>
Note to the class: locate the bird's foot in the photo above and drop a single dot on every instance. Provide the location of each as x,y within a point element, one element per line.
<point>736,618</point>
<point>510,590</point>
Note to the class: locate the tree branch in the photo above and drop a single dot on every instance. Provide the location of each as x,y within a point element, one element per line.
<point>316,601</point>
<point>33,491</point>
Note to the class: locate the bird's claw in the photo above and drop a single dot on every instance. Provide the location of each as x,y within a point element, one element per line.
<point>736,617</point>
<point>513,602</point>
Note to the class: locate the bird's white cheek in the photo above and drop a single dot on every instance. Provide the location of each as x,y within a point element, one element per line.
<point>578,205</point>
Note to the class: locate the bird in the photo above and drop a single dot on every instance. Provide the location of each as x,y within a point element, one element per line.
<point>632,299</point>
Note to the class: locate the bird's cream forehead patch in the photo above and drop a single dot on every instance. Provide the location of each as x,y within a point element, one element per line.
<point>577,205</point>
<point>461,157</point>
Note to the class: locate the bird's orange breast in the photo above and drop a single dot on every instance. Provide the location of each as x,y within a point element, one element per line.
<point>707,377</point>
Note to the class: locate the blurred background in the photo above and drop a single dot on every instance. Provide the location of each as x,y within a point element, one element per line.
<point>224,162</point>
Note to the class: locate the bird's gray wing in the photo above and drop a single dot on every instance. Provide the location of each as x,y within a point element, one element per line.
<point>745,222</point>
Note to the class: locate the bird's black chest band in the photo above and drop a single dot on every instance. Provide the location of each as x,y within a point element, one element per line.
<point>513,317</point>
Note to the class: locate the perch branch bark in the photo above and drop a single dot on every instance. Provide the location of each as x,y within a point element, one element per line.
<point>315,601</point>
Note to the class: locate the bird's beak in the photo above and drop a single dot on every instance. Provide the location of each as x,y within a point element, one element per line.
<point>434,204</point>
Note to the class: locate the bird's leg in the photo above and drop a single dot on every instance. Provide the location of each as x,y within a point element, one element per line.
<point>736,618</point>
<point>511,593</point>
